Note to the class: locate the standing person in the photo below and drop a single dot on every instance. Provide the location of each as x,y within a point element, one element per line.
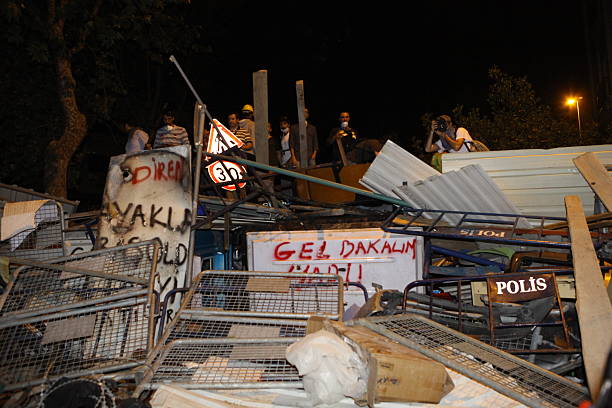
<point>312,140</point>
<point>284,149</point>
<point>450,140</point>
<point>170,134</point>
<point>347,136</point>
<point>137,139</point>
<point>232,122</point>
<point>246,131</point>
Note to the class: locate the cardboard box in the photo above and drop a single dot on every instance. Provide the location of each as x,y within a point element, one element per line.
<point>396,372</point>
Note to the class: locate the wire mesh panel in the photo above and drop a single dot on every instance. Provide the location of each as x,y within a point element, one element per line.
<point>71,344</point>
<point>223,363</point>
<point>505,373</point>
<point>43,240</point>
<point>188,324</point>
<point>267,293</point>
<point>81,280</point>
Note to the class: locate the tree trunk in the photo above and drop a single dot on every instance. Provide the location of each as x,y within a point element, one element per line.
<point>60,151</point>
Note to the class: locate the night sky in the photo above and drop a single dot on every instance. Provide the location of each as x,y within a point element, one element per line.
<point>384,63</point>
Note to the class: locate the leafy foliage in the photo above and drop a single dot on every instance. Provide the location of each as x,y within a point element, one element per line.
<point>109,43</point>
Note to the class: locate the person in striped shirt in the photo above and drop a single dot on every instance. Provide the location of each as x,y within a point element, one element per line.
<point>170,134</point>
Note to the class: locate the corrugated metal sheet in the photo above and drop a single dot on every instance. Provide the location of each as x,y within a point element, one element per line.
<point>469,189</point>
<point>466,190</point>
<point>535,180</point>
<point>392,167</point>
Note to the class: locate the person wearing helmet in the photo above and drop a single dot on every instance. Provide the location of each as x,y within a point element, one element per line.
<point>246,130</point>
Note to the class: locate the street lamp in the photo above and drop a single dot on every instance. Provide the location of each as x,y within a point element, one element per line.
<point>572,101</point>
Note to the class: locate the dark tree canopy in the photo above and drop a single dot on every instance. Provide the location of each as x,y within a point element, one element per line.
<point>77,67</point>
<point>517,119</point>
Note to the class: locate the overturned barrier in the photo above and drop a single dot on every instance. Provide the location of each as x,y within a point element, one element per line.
<point>222,364</point>
<point>83,315</point>
<point>84,341</point>
<point>81,280</point>
<point>505,373</point>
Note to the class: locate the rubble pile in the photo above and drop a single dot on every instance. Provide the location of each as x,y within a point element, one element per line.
<point>442,292</point>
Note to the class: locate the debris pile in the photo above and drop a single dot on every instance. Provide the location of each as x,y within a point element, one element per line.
<point>433,289</point>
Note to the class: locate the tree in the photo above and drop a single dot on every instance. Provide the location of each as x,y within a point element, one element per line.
<point>517,119</point>
<point>79,46</point>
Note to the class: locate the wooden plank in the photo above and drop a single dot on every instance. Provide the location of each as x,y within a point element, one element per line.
<point>596,176</point>
<point>345,161</point>
<point>326,194</point>
<point>260,101</point>
<point>269,285</point>
<point>301,105</point>
<point>592,302</point>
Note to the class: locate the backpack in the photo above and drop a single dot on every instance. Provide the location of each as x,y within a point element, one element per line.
<point>476,146</point>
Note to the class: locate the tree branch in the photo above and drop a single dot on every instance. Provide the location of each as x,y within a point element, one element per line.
<point>84,34</point>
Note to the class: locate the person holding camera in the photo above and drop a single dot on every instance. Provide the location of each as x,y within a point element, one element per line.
<point>450,139</point>
<point>344,135</point>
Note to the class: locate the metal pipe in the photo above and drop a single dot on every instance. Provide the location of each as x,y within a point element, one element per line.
<point>334,316</point>
<point>79,271</point>
<point>233,341</point>
<point>85,303</point>
<point>467,257</point>
<point>91,254</point>
<point>75,374</point>
<point>189,314</point>
<point>312,179</point>
<point>233,386</point>
<point>10,323</point>
<point>195,192</point>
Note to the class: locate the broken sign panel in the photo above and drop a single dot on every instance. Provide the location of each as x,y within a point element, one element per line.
<point>148,196</point>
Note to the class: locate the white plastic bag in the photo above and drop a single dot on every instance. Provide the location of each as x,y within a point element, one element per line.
<point>331,370</point>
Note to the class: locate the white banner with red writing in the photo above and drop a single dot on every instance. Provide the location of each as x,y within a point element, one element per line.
<point>364,256</point>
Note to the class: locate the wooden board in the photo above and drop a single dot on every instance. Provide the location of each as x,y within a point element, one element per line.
<point>596,176</point>
<point>301,105</point>
<point>260,99</point>
<point>269,285</point>
<point>319,192</point>
<point>592,302</point>
<point>350,175</point>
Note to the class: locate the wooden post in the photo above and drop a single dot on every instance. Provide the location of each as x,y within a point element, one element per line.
<point>592,303</point>
<point>596,176</point>
<point>299,90</point>
<point>345,161</point>
<point>260,101</point>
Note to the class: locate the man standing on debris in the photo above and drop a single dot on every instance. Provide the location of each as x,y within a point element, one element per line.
<point>345,134</point>
<point>170,134</point>
<point>137,139</point>
<point>246,131</point>
<point>312,142</point>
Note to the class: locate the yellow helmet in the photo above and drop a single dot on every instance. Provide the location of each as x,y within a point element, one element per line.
<point>247,108</point>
